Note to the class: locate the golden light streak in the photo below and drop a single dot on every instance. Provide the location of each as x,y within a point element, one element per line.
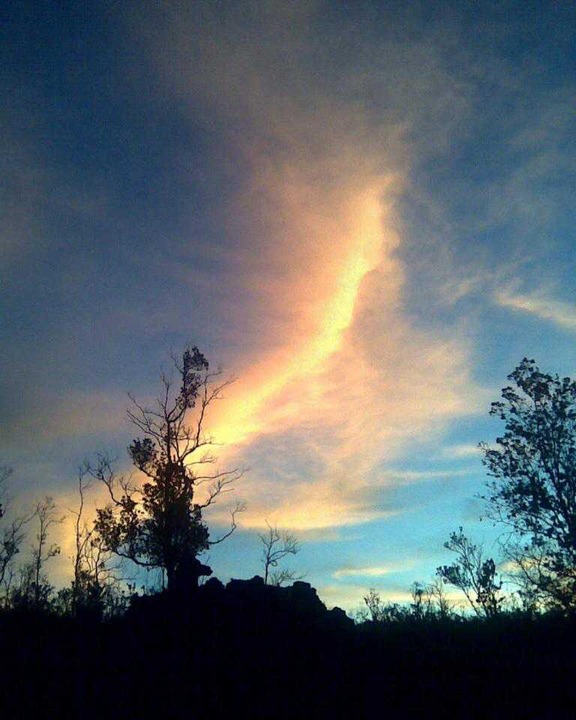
<point>340,378</point>
<point>244,412</point>
<point>318,418</point>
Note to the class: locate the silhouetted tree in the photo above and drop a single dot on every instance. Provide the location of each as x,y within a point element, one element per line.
<point>421,606</point>
<point>95,588</point>
<point>34,589</point>
<point>159,524</point>
<point>277,545</point>
<point>8,545</point>
<point>533,491</point>
<point>443,607</point>
<point>5,472</point>
<point>380,611</point>
<point>373,603</point>
<point>429,601</point>
<point>12,535</point>
<point>474,576</point>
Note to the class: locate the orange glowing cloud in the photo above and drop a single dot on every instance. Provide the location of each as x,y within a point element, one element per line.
<point>316,418</point>
<point>326,295</point>
<point>341,379</point>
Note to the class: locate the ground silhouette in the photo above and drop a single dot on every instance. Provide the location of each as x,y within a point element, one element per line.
<point>247,649</point>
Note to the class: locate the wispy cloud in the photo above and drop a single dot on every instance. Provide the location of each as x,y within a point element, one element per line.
<point>78,414</point>
<point>371,572</point>
<point>409,476</point>
<point>458,452</point>
<point>539,305</point>
<point>314,198</point>
<point>338,380</point>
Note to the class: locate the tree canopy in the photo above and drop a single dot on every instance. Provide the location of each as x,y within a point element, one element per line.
<point>159,523</point>
<point>473,574</point>
<point>533,485</point>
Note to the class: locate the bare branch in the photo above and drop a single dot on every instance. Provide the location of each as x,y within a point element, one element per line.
<point>240,507</point>
<point>277,544</point>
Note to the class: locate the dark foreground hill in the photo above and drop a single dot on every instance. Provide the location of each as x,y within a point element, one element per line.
<point>252,651</point>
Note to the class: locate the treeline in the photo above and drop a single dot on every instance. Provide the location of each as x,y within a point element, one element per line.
<point>152,524</point>
<point>531,494</point>
<point>96,648</point>
<point>97,589</point>
<point>250,649</point>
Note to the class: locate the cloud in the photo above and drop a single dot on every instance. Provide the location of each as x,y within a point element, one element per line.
<point>20,198</point>
<point>537,304</point>
<point>296,144</point>
<point>463,451</point>
<point>335,378</point>
<point>78,414</point>
<point>369,572</point>
<point>410,476</point>
<point>38,193</point>
<point>350,597</point>
<point>339,380</point>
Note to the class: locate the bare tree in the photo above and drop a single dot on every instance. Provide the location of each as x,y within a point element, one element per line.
<point>422,607</point>
<point>277,545</point>
<point>380,611</point>
<point>12,535</point>
<point>429,601</point>
<point>95,581</point>
<point>159,524</point>
<point>443,607</point>
<point>374,604</point>
<point>34,589</point>
<point>43,551</point>
<point>11,540</point>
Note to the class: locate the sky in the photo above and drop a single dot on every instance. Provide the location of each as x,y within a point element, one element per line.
<point>361,211</point>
